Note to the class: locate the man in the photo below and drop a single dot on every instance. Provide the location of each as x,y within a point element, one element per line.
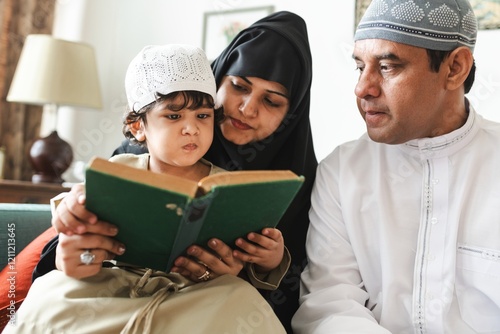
<point>405,221</point>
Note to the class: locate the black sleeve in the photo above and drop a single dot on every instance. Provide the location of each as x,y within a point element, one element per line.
<point>47,261</point>
<point>127,147</point>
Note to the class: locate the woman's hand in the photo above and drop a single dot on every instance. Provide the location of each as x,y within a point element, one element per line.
<point>205,265</point>
<point>71,216</point>
<point>95,246</point>
<point>264,250</point>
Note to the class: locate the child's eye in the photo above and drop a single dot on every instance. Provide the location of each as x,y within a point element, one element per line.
<point>203,116</point>
<point>173,116</point>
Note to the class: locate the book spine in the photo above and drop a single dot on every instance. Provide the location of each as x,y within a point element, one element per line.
<point>190,227</point>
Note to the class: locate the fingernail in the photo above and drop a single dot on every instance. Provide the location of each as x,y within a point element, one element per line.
<point>121,249</point>
<point>113,230</point>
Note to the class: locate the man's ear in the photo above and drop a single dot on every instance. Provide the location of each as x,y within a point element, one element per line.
<point>459,64</point>
<point>137,129</point>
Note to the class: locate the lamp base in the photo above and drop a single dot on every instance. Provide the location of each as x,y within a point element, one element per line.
<point>50,157</point>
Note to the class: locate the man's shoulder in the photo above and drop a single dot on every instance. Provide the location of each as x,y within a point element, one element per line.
<point>352,147</point>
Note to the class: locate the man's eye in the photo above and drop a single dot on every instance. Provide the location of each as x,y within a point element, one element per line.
<point>388,67</point>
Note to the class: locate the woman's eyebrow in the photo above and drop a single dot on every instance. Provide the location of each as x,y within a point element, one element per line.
<point>278,93</point>
<point>268,90</point>
<point>246,80</point>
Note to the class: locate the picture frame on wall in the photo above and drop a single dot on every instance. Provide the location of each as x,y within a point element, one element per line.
<point>360,9</point>
<point>220,27</point>
<point>487,12</point>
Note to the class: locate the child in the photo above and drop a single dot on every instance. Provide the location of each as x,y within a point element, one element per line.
<point>171,97</point>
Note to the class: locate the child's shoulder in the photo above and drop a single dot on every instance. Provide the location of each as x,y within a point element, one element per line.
<point>213,168</point>
<point>140,161</point>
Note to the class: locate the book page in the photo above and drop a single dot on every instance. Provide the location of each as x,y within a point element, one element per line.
<point>245,177</point>
<point>161,181</point>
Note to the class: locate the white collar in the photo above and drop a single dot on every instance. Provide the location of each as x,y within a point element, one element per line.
<point>447,144</point>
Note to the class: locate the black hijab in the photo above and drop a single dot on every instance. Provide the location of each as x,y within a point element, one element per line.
<point>276,48</point>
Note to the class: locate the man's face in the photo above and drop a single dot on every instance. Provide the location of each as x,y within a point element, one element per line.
<point>398,95</point>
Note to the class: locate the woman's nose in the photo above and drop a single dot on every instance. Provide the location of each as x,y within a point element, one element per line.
<point>248,107</point>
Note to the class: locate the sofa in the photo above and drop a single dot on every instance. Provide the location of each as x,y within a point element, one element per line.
<point>23,223</point>
<point>24,230</point>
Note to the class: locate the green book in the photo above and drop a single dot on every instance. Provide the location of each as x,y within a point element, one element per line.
<point>159,216</point>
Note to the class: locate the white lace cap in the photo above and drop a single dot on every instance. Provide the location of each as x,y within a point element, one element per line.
<point>165,69</point>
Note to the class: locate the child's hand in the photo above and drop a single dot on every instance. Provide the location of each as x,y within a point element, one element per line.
<point>71,217</point>
<point>265,250</point>
<point>218,262</point>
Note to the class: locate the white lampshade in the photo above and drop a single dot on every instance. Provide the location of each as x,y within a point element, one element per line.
<point>55,71</point>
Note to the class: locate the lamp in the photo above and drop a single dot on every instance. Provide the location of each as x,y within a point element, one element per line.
<point>54,72</point>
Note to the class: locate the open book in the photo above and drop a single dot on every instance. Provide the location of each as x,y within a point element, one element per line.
<point>159,216</point>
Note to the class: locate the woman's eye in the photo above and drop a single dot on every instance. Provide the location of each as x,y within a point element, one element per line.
<point>238,87</point>
<point>272,103</point>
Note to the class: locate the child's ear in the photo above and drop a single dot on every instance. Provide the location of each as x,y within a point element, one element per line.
<point>460,63</point>
<point>137,129</point>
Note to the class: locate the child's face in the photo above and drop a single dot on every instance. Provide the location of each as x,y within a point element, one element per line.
<point>177,138</point>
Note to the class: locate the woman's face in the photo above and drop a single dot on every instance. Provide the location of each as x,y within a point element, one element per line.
<point>253,108</point>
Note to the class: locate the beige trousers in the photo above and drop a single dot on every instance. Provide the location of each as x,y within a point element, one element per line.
<point>120,301</point>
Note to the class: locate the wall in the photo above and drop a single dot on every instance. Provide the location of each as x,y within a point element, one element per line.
<point>118,29</point>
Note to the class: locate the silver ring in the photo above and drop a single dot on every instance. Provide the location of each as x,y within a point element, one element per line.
<point>87,257</point>
<point>205,276</point>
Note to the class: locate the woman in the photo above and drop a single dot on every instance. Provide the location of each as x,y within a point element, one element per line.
<point>275,49</point>
<point>263,79</point>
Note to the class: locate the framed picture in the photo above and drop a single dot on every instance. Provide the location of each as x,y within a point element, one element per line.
<point>360,9</point>
<point>487,12</point>
<point>220,27</point>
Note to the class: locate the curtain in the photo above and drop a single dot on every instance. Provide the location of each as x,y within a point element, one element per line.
<point>19,123</point>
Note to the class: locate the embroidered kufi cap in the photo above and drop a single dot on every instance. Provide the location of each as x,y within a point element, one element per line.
<point>440,25</point>
<point>165,69</point>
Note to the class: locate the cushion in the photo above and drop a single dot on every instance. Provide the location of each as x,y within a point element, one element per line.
<point>17,276</point>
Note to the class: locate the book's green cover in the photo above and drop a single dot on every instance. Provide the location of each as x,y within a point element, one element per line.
<point>157,225</point>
